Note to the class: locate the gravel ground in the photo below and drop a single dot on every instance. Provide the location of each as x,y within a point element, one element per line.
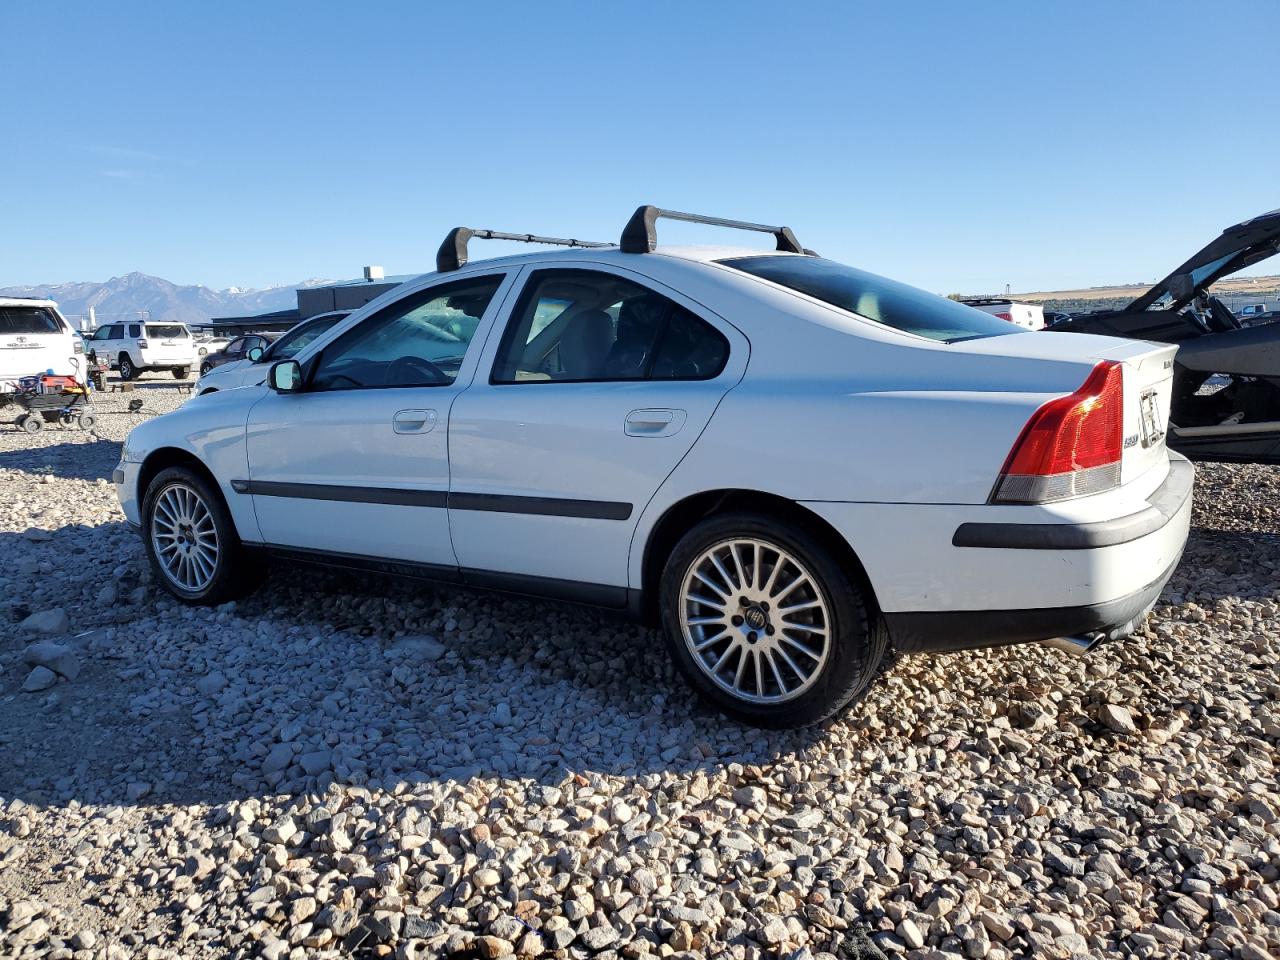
<point>339,765</point>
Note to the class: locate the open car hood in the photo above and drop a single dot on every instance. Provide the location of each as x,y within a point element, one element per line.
<point>1238,247</point>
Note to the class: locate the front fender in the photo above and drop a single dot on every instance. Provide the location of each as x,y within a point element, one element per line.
<point>210,429</point>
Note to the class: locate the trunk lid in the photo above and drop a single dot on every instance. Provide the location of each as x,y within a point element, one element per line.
<point>168,341</point>
<point>1148,382</point>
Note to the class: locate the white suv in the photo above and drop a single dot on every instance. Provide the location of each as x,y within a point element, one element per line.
<point>34,338</point>
<point>788,462</point>
<point>133,348</point>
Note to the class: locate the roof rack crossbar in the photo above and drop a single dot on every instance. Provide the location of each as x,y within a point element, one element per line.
<point>640,235</point>
<point>453,252</point>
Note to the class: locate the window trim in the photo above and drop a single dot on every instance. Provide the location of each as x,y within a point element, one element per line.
<point>409,302</point>
<point>522,301</point>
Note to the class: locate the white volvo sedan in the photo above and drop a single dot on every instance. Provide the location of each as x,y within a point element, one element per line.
<point>789,463</point>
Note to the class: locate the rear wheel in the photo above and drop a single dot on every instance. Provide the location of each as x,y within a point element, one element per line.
<point>127,369</point>
<point>191,540</point>
<point>30,423</point>
<point>181,373</point>
<point>765,624</point>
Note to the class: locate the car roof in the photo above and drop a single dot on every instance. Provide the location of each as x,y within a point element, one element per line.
<point>26,302</point>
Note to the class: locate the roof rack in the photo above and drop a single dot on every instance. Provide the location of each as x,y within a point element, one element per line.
<point>640,235</point>
<point>453,252</point>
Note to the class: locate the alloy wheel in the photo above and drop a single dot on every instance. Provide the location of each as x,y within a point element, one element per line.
<point>755,620</point>
<point>184,537</point>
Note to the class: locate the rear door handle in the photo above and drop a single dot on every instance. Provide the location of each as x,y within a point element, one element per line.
<point>413,421</point>
<point>653,422</point>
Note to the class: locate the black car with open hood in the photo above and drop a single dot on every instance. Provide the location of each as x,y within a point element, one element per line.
<point>1226,387</point>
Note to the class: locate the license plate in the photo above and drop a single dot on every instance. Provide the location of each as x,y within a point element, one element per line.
<point>1152,424</point>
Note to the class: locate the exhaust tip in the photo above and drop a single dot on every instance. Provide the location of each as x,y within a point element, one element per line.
<point>1077,646</point>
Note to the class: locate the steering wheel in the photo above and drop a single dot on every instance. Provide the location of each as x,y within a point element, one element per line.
<point>1220,318</point>
<point>408,371</point>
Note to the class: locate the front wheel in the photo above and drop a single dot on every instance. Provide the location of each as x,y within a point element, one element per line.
<point>204,369</point>
<point>191,540</point>
<point>127,370</point>
<point>765,624</point>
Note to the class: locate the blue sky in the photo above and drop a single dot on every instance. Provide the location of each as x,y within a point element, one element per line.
<point>954,146</point>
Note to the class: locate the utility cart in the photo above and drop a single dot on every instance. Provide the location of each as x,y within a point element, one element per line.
<point>52,399</point>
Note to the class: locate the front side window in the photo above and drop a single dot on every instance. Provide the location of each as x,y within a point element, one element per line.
<point>581,326</point>
<point>236,347</point>
<point>418,342</point>
<point>885,301</point>
<point>104,333</point>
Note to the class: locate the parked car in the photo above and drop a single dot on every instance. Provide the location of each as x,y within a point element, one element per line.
<point>35,338</point>
<point>1258,319</point>
<point>208,345</point>
<point>134,348</point>
<point>1252,310</point>
<point>1054,317</point>
<point>252,368</point>
<point>1226,385</point>
<point>237,349</point>
<point>1029,315</point>
<point>788,462</point>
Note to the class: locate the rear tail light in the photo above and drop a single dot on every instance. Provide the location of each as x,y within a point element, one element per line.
<point>77,345</point>
<point>1005,316</point>
<point>1071,446</point>
<point>142,343</point>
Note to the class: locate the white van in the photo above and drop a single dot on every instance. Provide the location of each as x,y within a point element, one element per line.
<point>133,348</point>
<point>34,339</point>
<point>1029,315</point>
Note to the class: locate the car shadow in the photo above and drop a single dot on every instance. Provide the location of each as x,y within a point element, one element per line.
<point>78,456</point>
<point>401,682</point>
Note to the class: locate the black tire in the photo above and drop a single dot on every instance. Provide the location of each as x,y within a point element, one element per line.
<point>30,423</point>
<point>204,369</point>
<point>236,571</point>
<point>126,367</point>
<point>181,373</point>
<point>86,421</point>
<point>858,638</point>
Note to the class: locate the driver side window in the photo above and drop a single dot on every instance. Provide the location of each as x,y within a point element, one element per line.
<point>419,341</point>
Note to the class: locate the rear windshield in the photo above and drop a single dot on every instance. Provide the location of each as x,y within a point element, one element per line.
<point>884,301</point>
<point>167,330</point>
<point>20,320</point>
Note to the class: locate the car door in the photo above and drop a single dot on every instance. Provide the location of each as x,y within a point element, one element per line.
<point>357,462</point>
<point>104,341</point>
<point>599,384</point>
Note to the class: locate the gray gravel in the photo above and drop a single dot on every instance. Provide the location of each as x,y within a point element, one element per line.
<point>338,765</point>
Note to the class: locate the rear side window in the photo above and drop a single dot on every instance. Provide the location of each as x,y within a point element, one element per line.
<point>585,326</point>
<point>15,321</point>
<point>135,330</point>
<point>167,331</point>
<point>885,301</point>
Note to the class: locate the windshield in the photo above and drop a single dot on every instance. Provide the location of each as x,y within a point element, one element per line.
<point>875,298</point>
<point>166,330</point>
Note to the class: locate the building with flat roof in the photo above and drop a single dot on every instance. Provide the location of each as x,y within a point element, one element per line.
<point>346,295</point>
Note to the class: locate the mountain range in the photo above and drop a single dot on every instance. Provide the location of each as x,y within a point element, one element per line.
<point>129,296</point>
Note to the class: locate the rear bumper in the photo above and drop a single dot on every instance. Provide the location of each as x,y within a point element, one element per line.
<point>956,576</point>
<point>972,629</point>
<point>1162,507</point>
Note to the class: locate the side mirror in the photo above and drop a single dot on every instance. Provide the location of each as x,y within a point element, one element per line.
<point>286,377</point>
<point>255,354</point>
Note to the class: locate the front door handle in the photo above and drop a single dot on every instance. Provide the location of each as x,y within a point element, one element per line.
<point>653,422</point>
<point>413,421</point>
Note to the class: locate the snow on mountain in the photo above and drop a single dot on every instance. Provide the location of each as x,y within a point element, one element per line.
<point>126,297</point>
